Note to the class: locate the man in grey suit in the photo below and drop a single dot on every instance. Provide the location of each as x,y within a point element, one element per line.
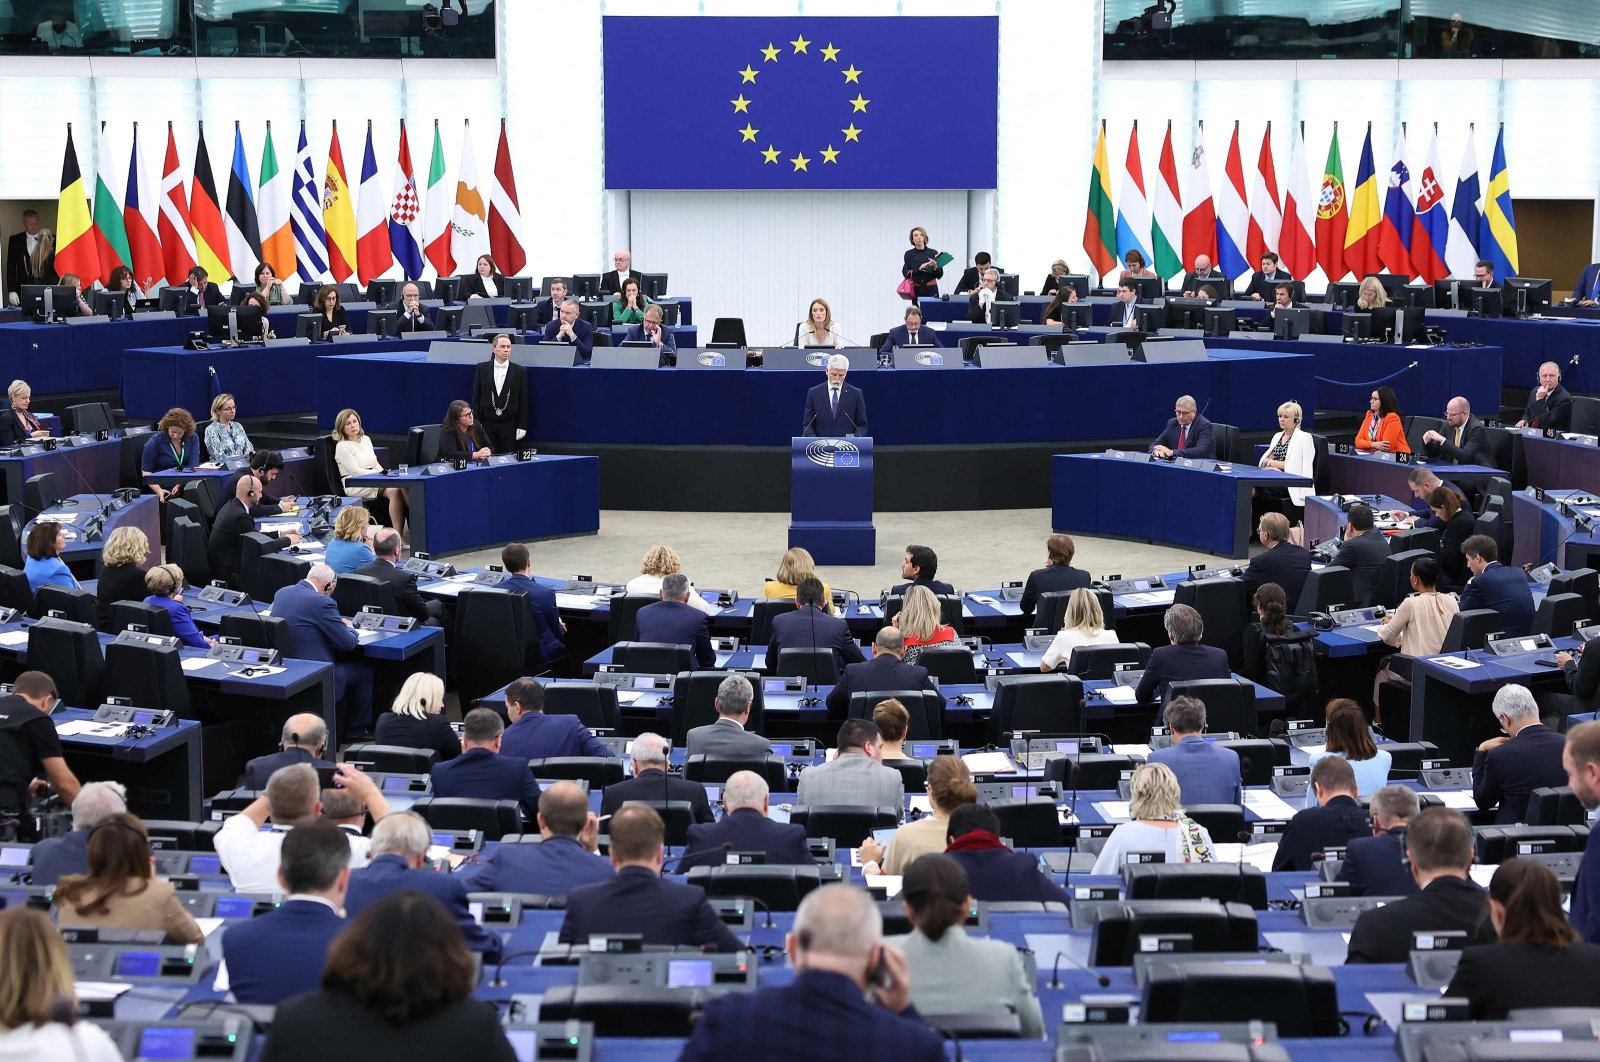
<point>727,737</point>
<point>855,777</point>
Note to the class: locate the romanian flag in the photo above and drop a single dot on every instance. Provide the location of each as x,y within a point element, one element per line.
<point>205,218</point>
<point>1100,224</point>
<point>75,241</point>
<point>1497,239</point>
<point>338,214</point>
<point>1366,213</point>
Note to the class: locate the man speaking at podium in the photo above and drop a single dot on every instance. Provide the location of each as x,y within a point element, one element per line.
<point>835,408</point>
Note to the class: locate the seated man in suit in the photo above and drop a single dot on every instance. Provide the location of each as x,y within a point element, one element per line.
<point>1586,292</point>
<point>650,754</point>
<point>412,317</point>
<point>1262,280</point>
<point>835,408</point>
<point>983,298</point>
<point>1187,434</point>
<point>727,738</point>
<point>292,798</point>
<point>674,621</point>
<point>265,465</point>
<point>810,627</point>
<point>533,735</point>
<point>1495,586</point>
<point>481,772</point>
<point>281,953</point>
<point>385,568</point>
<point>651,330</point>
<point>1505,770</point>
<point>850,997</point>
<point>1184,658</point>
<point>1549,404</point>
<point>199,294</point>
<point>1376,865</point>
<point>1207,773</point>
<point>1363,551</point>
<point>1203,274</point>
<point>550,630</point>
<point>55,857</point>
<point>1423,482</point>
<point>637,900</point>
<point>910,334</point>
<point>1466,441</point>
<point>304,740</point>
<point>1334,822</point>
<point>549,307</point>
<point>1057,576</point>
<point>399,847</point>
<point>918,567</point>
<point>1282,562</point>
<point>855,777</point>
<point>235,519</point>
<point>318,632</point>
<point>972,276</point>
<point>745,828</point>
<point>622,263</point>
<point>566,857</point>
<point>1582,673</point>
<point>887,670</point>
<point>995,873</point>
<point>1439,847</point>
<point>570,327</point>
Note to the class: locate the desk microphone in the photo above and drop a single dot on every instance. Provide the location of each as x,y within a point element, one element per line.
<point>499,982</point>
<point>1055,971</point>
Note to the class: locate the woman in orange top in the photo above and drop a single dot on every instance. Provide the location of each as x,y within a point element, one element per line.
<point>1382,430</point>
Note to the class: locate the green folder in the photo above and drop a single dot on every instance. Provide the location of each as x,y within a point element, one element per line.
<point>944,258</point>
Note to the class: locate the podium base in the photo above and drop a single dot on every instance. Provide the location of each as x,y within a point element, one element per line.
<point>836,543</point>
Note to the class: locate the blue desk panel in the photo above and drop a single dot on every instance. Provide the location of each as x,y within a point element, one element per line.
<point>94,467</point>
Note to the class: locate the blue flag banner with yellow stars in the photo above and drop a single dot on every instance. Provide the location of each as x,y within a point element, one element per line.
<point>790,103</point>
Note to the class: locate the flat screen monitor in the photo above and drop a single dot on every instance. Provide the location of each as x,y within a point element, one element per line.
<point>1408,325</point>
<point>585,285</point>
<point>63,299</point>
<point>1150,319</point>
<point>517,289</point>
<point>172,298</point>
<point>384,292</point>
<point>653,285</point>
<point>245,322</point>
<point>448,318</point>
<point>1008,284</point>
<point>1291,322</point>
<point>1527,296</point>
<point>1148,289</point>
<point>1187,312</point>
<point>1342,294</point>
<point>383,322</point>
<point>1356,325</point>
<point>522,317</point>
<point>113,304</point>
<point>1221,320</point>
<point>1419,296</point>
<point>598,314</point>
<point>1487,302</point>
<point>1005,314</point>
<point>309,326</point>
<point>1453,293</point>
<point>1077,281</point>
<point>1393,284</point>
<point>447,289</point>
<point>1074,315</point>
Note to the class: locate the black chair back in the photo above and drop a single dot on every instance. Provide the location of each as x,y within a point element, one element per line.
<point>1585,582</point>
<point>624,612</point>
<point>86,418</point>
<point>952,665</point>
<point>1415,538</point>
<point>74,604</point>
<point>1230,703</point>
<point>728,330</point>
<point>276,571</point>
<point>1050,613</point>
<point>69,652</point>
<point>1416,427</point>
<point>676,815</point>
<point>1325,587</point>
<point>922,706</point>
<point>1031,823</point>
<point>252,628</point>
<point>188,550</point>
<point>491,634</point>
<point>1547,806</point>
<point>1089,770</point>
<point>593,704</point>
<point>1224,822</point>
<point>14,589</point>
<point>819,667</point>
<point>847,824</point>
<point>761,614</point>
<point>391,759</point>
<point>1469,629</point>
<point>495,818</point>
<point>354,592</point>
<point>1558,613</point>
<point>913,774</point>
<point>716,770</point>
<point>1257,757</point>
<point>1321,467</point>
<point>1049,704</point>
<point>1394,578</point>
<point>148,675</point>
<point>41,492</point>
<point>11,524</point>
<point>694,703</point>
<point>253,545</point>
<point>653,658</point>
<point>1221,605</point>
<point>1225,437</point>
<point>1090,662</point>
<point>598,771</point>
<point>153,618</point>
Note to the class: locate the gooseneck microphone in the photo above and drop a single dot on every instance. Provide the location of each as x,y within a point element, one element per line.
<point>1055,971</point>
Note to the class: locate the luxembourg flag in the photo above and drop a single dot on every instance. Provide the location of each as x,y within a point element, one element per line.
<point>1233,217</point>
<point>405,214</point>
<point>1133,211</point>
<point>1266,216</point>
<point>1432,226</point>
<point>373,257</point>
<point>1461,246</point>
<point>1394,231</point>
<point>1200,222</point>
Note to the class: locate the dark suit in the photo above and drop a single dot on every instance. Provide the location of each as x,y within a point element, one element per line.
<point>483,774</point>
<point>537,736</point>
<point>637,900</point>
<point>335,1025</point>
<point>191,299</point>
<point>669,342</point>
<point>1363,555</point>
<point>553,867</point>
<point>1207,773</point>
<point>938,586</point>
<point>119,582</point>
<point>1000,875</point>
<point>1285,564</point>
<point>1265,286</point>
<point>1331,825</point>
<point>1175,663</point>
<point>1373,867</point>
<point>1384,933</point>
<point>582,330</point>
<point>1453,569</point>
<point>1508,773</point>
<point>972,278</point>
<point>1554,410</point>
<point>545,615</point>
<point>1201,440</point>
<point>258,770</point>
<point>1583,683</point>
<point>1588,286</point>
<point>19,266</point>
<point>388,874</point>
<point>676,623</point>
<point>460,446</point>
<point>900,336</point>
<point>1474,448</point>
<point>975,307</point>
<point>1506,591</point>
<point>473,285</point>
<point>433,731</point>
<point>266,504</point>
<point>653,784</point>
<point>280,953</point>
<point>611,283</point>
<point>404,585</point>
<point>812,628</point>
<point>17,427</point>
<point>883,672</point>
<point>222,548</point>
<point>418,322</point>
<point>501,428</point>
<point>745,830</point>
<point>545,311</point>
<point>1498,978</point>
<point>1194,281</point>
<point>318,632</point>
<point>56,857</point>
<point>820,418</point>
<point>1052,578</point>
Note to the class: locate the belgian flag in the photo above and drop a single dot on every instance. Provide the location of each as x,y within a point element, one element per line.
<point>75,246</point>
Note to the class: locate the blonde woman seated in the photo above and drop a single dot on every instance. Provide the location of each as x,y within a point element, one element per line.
<point>1371,294</point>
<point>660,562</point>
<point>919,620</point>
<point>1159,824</point>
<point>351,544</point>
<point>353,453</point>
<point>893,722</point>
<point>1085,624</point>
<point>121,891</point>
<point>39,995</point>
<point>795,566</point>
<point>949,787</point>
<point>417,720</point>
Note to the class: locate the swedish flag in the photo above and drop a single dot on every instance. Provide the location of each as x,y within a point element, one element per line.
<point>1497,236</point>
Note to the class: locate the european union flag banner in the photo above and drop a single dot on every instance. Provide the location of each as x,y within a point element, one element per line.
<point>799,103</point>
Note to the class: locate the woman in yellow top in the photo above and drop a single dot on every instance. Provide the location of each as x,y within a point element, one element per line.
<point>795,566</point>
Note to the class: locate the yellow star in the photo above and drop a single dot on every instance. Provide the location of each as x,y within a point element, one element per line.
<point>748,75</point>
<point>851,134</point>
<point>770,52</point>
<point>830,54</point>
<point>851,74</point>
<point>830,154</point>
<point>748,133</point>
<point>740,104</point>
<point>800,163</point>
<point>800,44</point>
<point>859,104</point>
<point>770,155</point>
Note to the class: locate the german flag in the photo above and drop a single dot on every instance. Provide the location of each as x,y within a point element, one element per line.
<point>75,247</point>
<point>205,218</point>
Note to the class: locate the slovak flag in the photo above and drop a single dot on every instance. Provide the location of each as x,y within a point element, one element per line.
<point>1432,228</point>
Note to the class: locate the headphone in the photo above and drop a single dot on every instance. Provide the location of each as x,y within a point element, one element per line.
<point>171,571</point>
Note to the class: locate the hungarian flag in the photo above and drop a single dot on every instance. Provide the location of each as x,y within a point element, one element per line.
<point>244,238</point>
<point>177,243</point>
<point>1333,214</point>
<point>110,234</point>
<point>505,216</point>
<point>338,214</point>
<point>1361,238</point>
<point>75,240</point>
<point>1100,222</point>
<point>1166,229</point>
<point>373,257</point>
<point>205,217</point>
<point>272,213</point>
<point>141,214</point>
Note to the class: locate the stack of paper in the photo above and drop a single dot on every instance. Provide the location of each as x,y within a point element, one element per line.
<point>1267,804</point>
<point>1120,694</point>
<point>989,762</point>
<point>1114,810</point>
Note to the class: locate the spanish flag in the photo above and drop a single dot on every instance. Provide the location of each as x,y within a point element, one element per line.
<point>1366,215</point>
<point>1100,220</point>
<point>205,218</point>
<point>338,214</point>
<point>75,247</point>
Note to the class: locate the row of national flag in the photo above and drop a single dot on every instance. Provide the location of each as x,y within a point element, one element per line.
<point>332,229</point>
<point>1396,222</point>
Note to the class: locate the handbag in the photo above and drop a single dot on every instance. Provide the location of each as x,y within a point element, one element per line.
<point>906,290</point>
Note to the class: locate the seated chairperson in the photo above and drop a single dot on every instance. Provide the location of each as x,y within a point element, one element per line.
<point>637,900</point>
<point>1202,273</point>
<point>416,719</point>
<point>981,302</point>
<point>500,395</point>
<point>570,327</point>
<point>818,329</point>
<point>658,563</point>
<point>1376,865</point>
<point>281,952</point>
<point>996,874</point>
<point>854,777</point>
<point>1083,624</point>
<point>1052,283</point>
<point>887,670</point>
<point>795,567</point>
<point>354,456</point>
<point>318,632</point>
<point>650,329</point>
<point>1348,737</point>
<point>1549,404</point>
<point>17,424</point>
<point>628,306</point>
<point>972,276</point>
<point>1064,296</point>
<point>1157,824</point>
<point>674,621</point>
<point>304,740</point>
<point>481,772</point>
<point>533,735</point>
<point>384,567</point>
<point>1495,586</point>
<point>649,754</point>
<point>399,847</point>
<point>1382,430</point>
<point>233,521</point>
<point>1506,770</point>
<point>1282,562</point>
<point>412,317</point>
<point>546,617</point>
<point>460,438</point>
<point>911,334</point>
<point>549,308</point>
<point>745,828</point>
<point>1418,626</point>
<point>335,322</point>
<point>835,408</point>
<point>951,970</point>
<point>173,447</point>
<point>919,623</point>
<point>165,583</point>
<point>38,1014</point>
<point>918,567</point>
<point>1184,658</point>
<point>950,787</point>
<point>1187,434</point>
<point>1363,552</point>
<point>43,564</point>
<point>56,857</point>
<point>199,293</point>
<point>1465,441</point>
<point>1336,820</point>
<point>1207,773</point>
<point>727,738</point>
<point>1057,576</point>
<point>850,997</point>
<point>291,799</point>
<point>1262,280</point>
<point>565,857</point>
<point>397,984</point>
<point>485,281</point>
<point>119,890</point>
<point>1539,960</point>
<point>350,547</point>
<point>1439,848</point>
<point>33,749</point>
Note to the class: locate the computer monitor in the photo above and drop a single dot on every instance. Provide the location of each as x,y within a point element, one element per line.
<point>309,326</point>
<point>1418,296</point>
<point>1008,283</point>
<point>585,285</point>
<point>1220,320</point>
<point>1150,319</point>
<point>653,285</point>
<point>1487,302</point>
<point>63,299</point>
<point>384,292</point>
<point>1393,285</point>
<point>1187,312</point>
<point>1527,296</point>
<point>448,318</point>
<point>1075,315</point>
<point>1077,281</point>
<point>517,289</point>
<point>383,323</point>
<point>598,314</point>
<point>447,289</point>
<point>1342,294</point>
<point>1005,314</point>
<point>1146,289</point>
<point>113,304</point>
<point>521,316</point>
<point>1356,325</point>
<point>245,322</point>
<point>1453,293</point>
<point>1290,322</point>
<point>173,298</point>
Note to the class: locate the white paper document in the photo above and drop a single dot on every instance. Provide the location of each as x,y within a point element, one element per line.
<point>88,728</point>
<point>14,638</point>
<point>1459,663</point>
<point>1267,804</point>
<point>1460,799</point>
<point>1121,694</point>
<point>988,762</point>
<point>196,663</point>
<point>1114,810</point>
<point>1132,750</point>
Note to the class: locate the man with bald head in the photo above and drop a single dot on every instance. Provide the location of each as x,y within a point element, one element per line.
<point>235,519</point>
<point>621,271</point>
<point>1549,404</point>
<point>304,740</point>
<point>887,670</point>
<point>745,828</point>
<point>1187,434</point>
<point>1464,441</point>
<point>318,632</point>
<point>413,318</point>
<point>564,859</point>
<point>1203,274</point>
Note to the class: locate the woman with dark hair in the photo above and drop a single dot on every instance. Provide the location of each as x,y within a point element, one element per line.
<point>251,326</point>
<point>37,996</point>
<point>269,287</point>
<point>121,891</point>
<point>485,281</point>
<point>460,438</point>
<point>398,984</point>
<point>1272,620</point>
<point>951,972</point>
<point>122,284</point>
<point>1065,295</point>
<point>1349,737</point>
<point>1136,266</point>
<point>628,307</point>
<point>1382,430</point>
<point>334,320</point>
<point>1540,961</point>
<point>921,266</point>
<point>1458,524</point>
<point>173,447</point>
<point>43,564</point>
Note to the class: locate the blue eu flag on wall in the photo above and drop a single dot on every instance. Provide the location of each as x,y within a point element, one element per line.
<point>801,103</point>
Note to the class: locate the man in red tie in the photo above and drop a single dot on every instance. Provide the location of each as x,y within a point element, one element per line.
<point>1188,434</point>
